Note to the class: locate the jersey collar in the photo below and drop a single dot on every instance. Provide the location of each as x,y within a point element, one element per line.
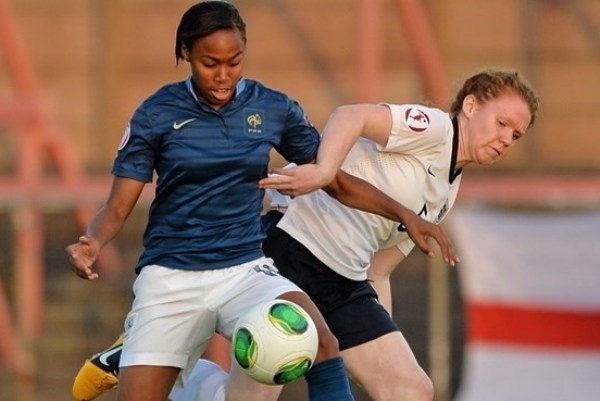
<point>453,172</point>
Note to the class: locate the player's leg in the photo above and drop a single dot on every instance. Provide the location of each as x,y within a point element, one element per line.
<point>293,260</point>
<point>377,356</point>
<point>387,369</point>
<point>218,352</point>
<point>207,382</point>
<point>296,263</point>
<point>166,330</point>
<point>328,344</point>
<point>144,383</point>
<point>327,379</point>
<point>100,373</point>
<point>355,317</point>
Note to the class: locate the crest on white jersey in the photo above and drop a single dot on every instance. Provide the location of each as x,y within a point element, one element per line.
<point>416,119</point>
<point>125,137</point>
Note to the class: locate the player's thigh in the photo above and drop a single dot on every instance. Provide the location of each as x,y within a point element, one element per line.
<point>243,388</point>
<point>250,284</point>
<point>146,383</point>
<point>169,323</point>
<point>383,364</point>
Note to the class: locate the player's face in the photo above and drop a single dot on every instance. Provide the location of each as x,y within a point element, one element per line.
<point>495,126</point>
<point>216,64</point>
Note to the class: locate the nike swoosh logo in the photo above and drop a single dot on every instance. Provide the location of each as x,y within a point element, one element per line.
<point>430,172</point>
<point>177,125</point>
<point>104,357</point>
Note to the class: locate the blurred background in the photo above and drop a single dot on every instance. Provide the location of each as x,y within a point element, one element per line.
<point>72,72</point>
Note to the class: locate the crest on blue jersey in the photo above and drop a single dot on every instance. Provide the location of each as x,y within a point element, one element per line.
<point>253,121</point>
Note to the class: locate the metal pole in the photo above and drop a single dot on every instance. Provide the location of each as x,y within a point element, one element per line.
<point>369,50</point>
<point>439,328</point>
<point>423,45</point>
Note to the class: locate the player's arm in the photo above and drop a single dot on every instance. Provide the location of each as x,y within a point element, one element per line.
<point>345,125</point>
<point>359,194</point>
<point>382,265</point>
<point>105,225</point>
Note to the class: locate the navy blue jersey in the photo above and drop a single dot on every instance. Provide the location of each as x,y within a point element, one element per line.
<point>206,210</point>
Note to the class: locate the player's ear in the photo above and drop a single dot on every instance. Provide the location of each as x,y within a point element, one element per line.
<point>185,52</point>
<point>469,105</point>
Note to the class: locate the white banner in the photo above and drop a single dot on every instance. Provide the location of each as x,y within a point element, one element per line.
<point>531,286</point>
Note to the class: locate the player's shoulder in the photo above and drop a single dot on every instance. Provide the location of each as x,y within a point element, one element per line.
<point>418,116</point>
<point>420,120</point>
<point>261,91</point>
<point>169,94</point>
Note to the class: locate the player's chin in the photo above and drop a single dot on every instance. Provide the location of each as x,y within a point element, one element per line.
<point>489,159</point>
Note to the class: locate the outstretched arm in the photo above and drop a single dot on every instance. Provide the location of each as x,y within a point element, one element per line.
<point>104,226</point>
<point>359,194</point>
<point>345,125</point>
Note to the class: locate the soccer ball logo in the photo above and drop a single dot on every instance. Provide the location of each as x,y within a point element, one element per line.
<point>275,342</point>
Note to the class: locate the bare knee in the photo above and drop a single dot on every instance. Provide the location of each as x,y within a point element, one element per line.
<point>328,345</point>
<point>417,388</point>
<point>423,389</point>
<point>145,382</point>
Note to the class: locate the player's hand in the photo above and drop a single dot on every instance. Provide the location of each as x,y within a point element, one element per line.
<point>296,181</point>
<point>82,256</point>
<point>420,230</point>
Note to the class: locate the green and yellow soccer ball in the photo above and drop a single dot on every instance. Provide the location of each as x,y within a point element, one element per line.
<point>275,342</point>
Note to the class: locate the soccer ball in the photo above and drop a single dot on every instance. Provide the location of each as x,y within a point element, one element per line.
<point>275,342</point>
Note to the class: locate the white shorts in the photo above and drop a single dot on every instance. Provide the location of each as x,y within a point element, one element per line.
<point>176,312</point>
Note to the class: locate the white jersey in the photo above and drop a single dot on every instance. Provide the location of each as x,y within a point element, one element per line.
<point>416,168</point>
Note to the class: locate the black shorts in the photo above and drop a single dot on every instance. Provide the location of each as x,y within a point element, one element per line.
<point>350,308</point>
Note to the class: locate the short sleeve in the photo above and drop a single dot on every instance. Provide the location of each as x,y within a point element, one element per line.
<point>300,138</point>
<point>415,128</point>
<point>137,151</point>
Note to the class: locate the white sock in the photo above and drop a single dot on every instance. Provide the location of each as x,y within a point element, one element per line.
<point>206,383</point>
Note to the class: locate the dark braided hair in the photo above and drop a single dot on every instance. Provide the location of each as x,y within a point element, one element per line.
<point>206,18</point>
